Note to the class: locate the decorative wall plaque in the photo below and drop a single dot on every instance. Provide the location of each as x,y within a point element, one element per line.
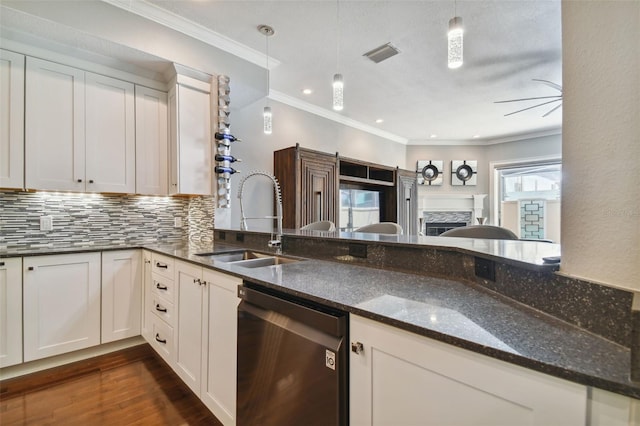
<point>464,172</point>
<point>430,172</point>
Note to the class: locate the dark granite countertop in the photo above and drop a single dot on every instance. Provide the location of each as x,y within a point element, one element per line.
<point>460,314</point>
<point>523,253</point>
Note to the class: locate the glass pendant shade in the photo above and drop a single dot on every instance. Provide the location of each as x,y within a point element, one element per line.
<point>455,42</point>
<point>268,127</point>
<point>338,92</point>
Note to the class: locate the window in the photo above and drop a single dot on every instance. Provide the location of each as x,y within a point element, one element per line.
<point>358,207</point>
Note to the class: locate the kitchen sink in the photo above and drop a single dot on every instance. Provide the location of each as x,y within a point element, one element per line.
<point>249,258</point>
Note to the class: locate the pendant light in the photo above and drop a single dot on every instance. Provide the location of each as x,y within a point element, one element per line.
<point>338,83</point>
<point>454,40</point>
<point>266,113</point>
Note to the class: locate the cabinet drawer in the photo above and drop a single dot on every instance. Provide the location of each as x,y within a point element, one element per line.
<point>163,309</point>
<point>162,265</point>
<point>162,286</point>
<point>161,339</point>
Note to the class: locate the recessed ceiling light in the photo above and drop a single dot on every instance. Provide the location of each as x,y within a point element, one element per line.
<point>433,136</point>
<point>307,91</point>
<point>476,136</point>
<point>379,120</point>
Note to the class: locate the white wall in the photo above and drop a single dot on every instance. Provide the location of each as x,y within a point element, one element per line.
<point>538,147</point>
<point>601,141</point>
<point>291,126</point>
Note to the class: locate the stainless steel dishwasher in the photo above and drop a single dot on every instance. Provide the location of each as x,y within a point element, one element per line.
<point>292,361</point>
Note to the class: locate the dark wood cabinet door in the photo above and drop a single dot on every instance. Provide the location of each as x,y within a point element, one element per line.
<point>319,190</point>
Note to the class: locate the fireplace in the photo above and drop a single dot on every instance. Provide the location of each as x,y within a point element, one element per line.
<point>433,229</point>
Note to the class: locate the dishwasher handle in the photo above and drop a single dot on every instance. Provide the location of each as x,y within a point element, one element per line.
<point>334,325</point>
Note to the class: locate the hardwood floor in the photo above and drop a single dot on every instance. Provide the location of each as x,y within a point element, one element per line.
<point>141,390</point>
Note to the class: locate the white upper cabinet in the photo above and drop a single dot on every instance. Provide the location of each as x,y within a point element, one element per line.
<point>151,142</point>
<point>11,120</point>
<point>110,135</point>
<point>55,127</point>
<point>80,130</point>
<point>190,137</point>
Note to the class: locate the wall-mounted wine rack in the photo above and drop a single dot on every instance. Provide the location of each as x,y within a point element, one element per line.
<point>223,141</point>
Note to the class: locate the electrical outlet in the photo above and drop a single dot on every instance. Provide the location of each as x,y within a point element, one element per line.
<point>46,223</point>
<point>177,222</point>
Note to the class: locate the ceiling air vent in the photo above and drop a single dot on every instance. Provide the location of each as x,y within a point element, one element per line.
<point>381,53</point>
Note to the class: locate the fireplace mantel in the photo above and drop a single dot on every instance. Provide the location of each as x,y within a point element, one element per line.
<point>473,203</point>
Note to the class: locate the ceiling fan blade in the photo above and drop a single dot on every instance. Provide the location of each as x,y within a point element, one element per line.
<point>528,99</point>
<point>531,107</point>
<point>554,108</point>
<point>550,84</point>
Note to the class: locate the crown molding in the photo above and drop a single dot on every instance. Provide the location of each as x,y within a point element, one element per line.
<point>333,116</point>
<point>486,142</point>
<point>199,32</point>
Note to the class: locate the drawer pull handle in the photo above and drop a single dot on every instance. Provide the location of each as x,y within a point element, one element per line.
<point>158,339</point>
<point>160,308</point>
<point>1,263</point>
<point>161,265</point>
<point>161,287</point>
<point>31,268</point>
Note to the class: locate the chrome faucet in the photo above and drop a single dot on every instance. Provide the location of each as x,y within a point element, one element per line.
<point>275,241</point>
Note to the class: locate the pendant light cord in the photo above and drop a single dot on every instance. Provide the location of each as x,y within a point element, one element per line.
<point>266,37</point>
<point>338,36</point>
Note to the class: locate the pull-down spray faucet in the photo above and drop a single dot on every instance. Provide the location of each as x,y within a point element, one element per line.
<point>275,241</point>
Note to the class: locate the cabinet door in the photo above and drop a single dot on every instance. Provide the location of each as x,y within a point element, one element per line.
<point>408,201</point>
<point>219,354</point>
<point>121,294</point>
<point>188,335</point>
<point>190,141</point>
<point>54,127</point>
<point>319,189</point>
<point>61,304</point>
<point>404,379</point>
<point>10,311</point>
<point>11,120</point>
<point>151,142</point>
<point>110,135</point>
<point>147,282</point>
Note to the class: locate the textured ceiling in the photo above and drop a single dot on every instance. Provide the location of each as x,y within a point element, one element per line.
<point>506,45</point>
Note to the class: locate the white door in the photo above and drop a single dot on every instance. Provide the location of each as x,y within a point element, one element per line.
<point>10,311</point>
<point>151,142</point>
<point>190,138</point>
<point>401,378</point>
<point>121,294</point>
<point>11,120</point>
<point>61,304</point>
<point>54,127</point>
<point>219,354</point>
<point>110,135</point>
<point>190,297</point>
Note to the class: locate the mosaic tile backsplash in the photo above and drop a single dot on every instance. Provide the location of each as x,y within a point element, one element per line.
<point>95,219</point>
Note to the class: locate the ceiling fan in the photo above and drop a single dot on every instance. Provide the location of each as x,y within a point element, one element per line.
<point>553,99</point>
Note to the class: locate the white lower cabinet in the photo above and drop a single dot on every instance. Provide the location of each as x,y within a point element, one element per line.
<point>400,378</point>
<point>10,311</point>
<point>218,390</point>
<point>190,293</point>
<point>121,294</point>
<point>61,304</point>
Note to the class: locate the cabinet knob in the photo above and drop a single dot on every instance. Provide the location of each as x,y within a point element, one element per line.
<point>79,180</point>
<point>1,263</point>
<point>357,348</point>
<point>90,180</point>
<point>30,268</point>
<point>147,261</point>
